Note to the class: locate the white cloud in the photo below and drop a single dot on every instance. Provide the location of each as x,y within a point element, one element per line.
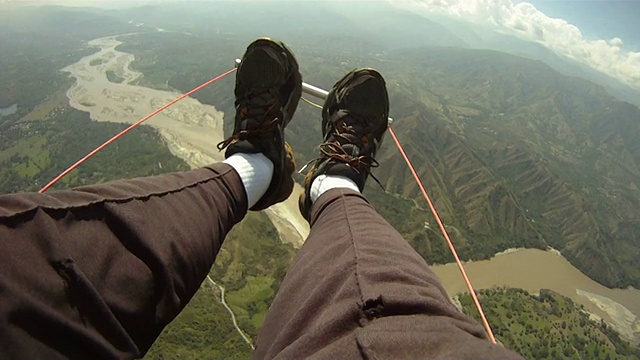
<point>527,22</point>
<point>617,42</point>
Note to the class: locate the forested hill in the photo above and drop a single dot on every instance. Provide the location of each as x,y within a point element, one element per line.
<point>548,326</point>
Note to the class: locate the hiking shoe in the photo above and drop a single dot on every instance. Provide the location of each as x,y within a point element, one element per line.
<point>268,88</point>
<point>354,119</point>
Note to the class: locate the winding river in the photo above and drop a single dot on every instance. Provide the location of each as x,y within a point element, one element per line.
<point>191,130</point>
<point>533,269</point>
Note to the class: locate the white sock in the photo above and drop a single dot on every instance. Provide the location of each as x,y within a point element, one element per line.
<point>255,170</point>
<point>324,183</point>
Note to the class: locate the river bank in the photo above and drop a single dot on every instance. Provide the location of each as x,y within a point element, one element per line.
<point>533,269</point>
<point>190,129</point>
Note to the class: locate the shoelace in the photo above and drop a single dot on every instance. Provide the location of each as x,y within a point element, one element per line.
<point>336,151</point>
<point>259,104</point>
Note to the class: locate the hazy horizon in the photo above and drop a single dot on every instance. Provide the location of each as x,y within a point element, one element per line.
<point>597,34</point>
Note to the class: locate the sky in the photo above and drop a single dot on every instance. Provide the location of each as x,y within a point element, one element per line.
<point>603,35</point>
<point>599,19</point>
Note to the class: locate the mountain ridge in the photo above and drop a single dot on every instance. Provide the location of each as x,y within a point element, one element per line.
<point>572,145</point>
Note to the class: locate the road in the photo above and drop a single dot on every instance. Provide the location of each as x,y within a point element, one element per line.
<point>246,338</point>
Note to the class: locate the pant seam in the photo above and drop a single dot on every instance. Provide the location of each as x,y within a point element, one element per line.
<point>115,200</point>
<point>355,252</point>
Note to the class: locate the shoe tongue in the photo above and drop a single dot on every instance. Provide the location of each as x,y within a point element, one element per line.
<point>262,69</point>
<point>351,149</point>
<point>261,103</point>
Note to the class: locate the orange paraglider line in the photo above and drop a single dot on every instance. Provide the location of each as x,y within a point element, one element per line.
<point>485,323</point>
<point>117,136</point>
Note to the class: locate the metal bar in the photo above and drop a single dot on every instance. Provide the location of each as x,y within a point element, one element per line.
<point>322,94</point>
<point>312,90</point>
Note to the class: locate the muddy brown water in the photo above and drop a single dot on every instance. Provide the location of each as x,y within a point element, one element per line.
<point>533,269</point>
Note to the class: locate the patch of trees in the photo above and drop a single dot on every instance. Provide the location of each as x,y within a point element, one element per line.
<point>547,326</point>
<point>71,135</point>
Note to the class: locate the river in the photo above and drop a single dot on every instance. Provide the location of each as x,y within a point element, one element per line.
<point>10,110</point>
<point>192,129</point>
<point>533,269</point>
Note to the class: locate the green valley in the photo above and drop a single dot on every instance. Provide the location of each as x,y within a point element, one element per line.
<point>34,152</point>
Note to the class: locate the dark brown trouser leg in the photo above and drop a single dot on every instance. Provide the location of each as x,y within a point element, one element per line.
<point>99,271</point>
<point>358,290</point>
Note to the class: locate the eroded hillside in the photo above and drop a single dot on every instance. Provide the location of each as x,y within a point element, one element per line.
<point>519,155</point>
